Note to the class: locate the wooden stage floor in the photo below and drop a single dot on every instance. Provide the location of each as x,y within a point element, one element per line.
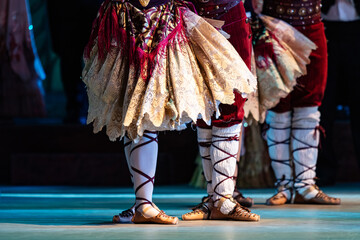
<point>86,212</point>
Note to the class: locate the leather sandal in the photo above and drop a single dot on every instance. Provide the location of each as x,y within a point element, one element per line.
<point>161,218</point>
<point>199,212</point>
<point>320,198</point>
<point>239,213</point>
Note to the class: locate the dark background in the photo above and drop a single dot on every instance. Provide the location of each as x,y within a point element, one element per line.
<point>61,150</point>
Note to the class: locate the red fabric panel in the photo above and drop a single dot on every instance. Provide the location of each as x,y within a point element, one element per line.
<point>311,87</point>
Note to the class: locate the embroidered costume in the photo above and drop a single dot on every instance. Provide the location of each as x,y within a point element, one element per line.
<point>294,131</point>
<point>158,68</point>
<point>219,142</point>
<point>151,67</point>
<point>281,55</point>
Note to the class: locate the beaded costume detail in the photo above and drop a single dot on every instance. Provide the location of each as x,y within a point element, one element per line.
<point>157,69</point>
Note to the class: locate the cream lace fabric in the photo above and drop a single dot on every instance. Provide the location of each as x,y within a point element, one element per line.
<point>187,83</point>
<point>292,50</point>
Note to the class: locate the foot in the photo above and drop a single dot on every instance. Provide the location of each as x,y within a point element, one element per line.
<point>200,212</point>
<point>239,213</point>
<point>278,199</point>
<point>124,216</point>
<point>244,201</point>
<point>161,218</point>
<point>320,198</point>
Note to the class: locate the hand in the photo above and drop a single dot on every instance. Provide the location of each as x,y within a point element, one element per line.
<point>257,5</point>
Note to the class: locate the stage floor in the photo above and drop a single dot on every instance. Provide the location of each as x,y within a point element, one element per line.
<point>86,213</point>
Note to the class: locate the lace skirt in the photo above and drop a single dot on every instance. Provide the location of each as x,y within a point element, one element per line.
<point>281,56</point>
<point>158,69</point>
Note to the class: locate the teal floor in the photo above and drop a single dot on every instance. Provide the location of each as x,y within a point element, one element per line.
<point>86,213</point>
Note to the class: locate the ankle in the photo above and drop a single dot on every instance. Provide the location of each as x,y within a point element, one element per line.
<point>308,192</point>
<point>225,205</point>
<point>147,210</point>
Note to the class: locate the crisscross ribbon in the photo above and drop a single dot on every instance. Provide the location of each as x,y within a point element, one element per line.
<point>135,170</point>
<point>229,155</point>
<point>286,162</point>
<point>306,147</point>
